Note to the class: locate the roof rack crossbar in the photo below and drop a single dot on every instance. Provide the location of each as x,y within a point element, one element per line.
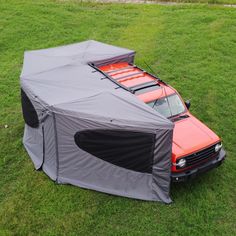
<point>109,77</point>
<point>154,76</point>
<point>130,75</point>
<point>143,86</point>
<point>117,70</point>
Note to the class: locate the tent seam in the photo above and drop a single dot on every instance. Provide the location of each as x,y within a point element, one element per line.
<point>56,144</point>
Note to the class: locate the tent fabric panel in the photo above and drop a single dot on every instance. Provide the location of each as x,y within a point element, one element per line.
<point>33,142</point>
<point>162,164</point>
<point>39,141</point>
<point>83,169</point>
<point>50,158</point>
<point>71,76</point>
<point>69,81</point>
<point>123,148</point>
<point>79,53</point>
<point>125,181</point>
<point>36,63</point>
<point>38,104</point>
<point>110,107</point>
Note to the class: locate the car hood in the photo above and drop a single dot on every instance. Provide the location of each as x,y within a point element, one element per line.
<point>191,135</point>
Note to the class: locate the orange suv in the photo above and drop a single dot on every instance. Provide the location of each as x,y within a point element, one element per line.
<point>195,147</point>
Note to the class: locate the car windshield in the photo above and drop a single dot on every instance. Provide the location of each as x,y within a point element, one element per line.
<point>175,106</point>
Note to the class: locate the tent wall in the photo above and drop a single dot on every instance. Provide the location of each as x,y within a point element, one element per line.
<point>39,140</point>
<point>33,142</point>
<point>53,148</point>
<point>50,150</point>
<point>40,144</point>
<point>162,164</point>
<point>80,168</point>
<point>33,134</point>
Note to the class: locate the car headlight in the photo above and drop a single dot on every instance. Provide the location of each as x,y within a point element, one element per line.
<point>181,162</point>
<point>218,146</point>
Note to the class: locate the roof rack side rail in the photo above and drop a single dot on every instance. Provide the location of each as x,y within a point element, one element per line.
<point>109,77</point>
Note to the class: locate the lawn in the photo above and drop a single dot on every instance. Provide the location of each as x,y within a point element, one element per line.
<point>233,2</point>
<point>199,1</point>
<point>191,47</point>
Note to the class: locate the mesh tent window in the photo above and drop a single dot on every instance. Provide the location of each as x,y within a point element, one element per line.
<point>127,149</point>
<point>29,113</point>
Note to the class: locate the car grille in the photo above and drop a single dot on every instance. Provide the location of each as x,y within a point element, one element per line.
<point>199,157</point>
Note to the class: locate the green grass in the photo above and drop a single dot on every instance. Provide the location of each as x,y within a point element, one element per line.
<point>172,1</point>
<point>191,47</point>
<point>216,2</point>
<point>199,1</point>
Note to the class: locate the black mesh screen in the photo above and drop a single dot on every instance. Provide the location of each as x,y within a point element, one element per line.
<point>127,149</point>
<point>29,112</point>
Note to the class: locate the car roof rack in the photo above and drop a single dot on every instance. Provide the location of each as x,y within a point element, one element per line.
<point>109,77</point>
<point>118,81</point>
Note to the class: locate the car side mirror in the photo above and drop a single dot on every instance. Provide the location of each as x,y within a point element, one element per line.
<point>187,104</point>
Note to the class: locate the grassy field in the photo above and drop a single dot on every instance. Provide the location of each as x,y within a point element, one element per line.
<point>191,47</point>
<point>233,2</point>
<point>199,1</point>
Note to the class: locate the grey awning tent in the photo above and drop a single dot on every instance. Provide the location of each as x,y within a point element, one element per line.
<point>81,130</point>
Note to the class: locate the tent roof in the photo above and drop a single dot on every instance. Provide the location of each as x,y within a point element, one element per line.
<point>62,79</point>
<point>43,60</point>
